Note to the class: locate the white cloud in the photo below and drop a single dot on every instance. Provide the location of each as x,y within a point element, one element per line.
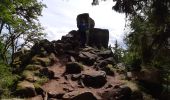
<point>60,17</point>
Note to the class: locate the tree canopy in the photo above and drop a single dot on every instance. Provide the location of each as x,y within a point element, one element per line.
<point>19,21</point>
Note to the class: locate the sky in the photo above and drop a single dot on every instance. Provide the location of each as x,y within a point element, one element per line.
<point>59,18</point>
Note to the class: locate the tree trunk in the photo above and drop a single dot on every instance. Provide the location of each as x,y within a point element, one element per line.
<point>1,27</point>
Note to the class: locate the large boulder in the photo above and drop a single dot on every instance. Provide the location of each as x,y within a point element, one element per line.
<point>42,47</point>
<point>29,76</point>
<point>25,89</point>
<point>44,61</point>
<point>79,95</point>
<point>151,80</point>
<point>46,72</point>
<point>98,37</point>
<point>87,58</point>
<point>95,79</point>
<point>106,53</point>
<point>103,64</point>
<point>118,93</point>
<point>84,18</point>
<point>73,68</point>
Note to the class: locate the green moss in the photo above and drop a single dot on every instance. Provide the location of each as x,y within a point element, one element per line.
<point>41,80</point>
<point>28,75</point>
<point>110,66</point>
<point>32,67</point>
<point>45,61</point>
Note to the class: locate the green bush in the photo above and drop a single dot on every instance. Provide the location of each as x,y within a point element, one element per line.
<point>7,80</point>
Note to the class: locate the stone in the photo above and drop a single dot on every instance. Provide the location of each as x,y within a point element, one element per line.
<point>55,95</point>
<point>25,89</point>
<point>105,53</point>
<point>79,95</point>
<point>72,53</point>
<point>44,61</point>
<point>75,77</point>
<point>72,59</point>
<point>101,64</point>
<point>29,76</point>
<point>118,93</point>
<point>150,79</point>
<point>98,38</point>
<point>46,72</point>
<point>73,68</point>
<point>94,79</point>
<point>109,70</point>
<point>110,60</point>
<point>38,97</point>
<point>33,67</point>
<point>43,44</point>
<point>125,91</point>
<point>137,95</point>
<point>87,58</point>
<point>85,17</point>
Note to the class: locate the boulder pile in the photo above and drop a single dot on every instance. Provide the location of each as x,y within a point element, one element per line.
<point>62,70</point>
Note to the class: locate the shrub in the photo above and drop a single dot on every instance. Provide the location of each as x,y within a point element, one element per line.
<point>7,80</point>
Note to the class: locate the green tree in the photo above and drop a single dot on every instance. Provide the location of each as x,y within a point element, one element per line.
<point>19,21</point>
<point>149,36</point>
<point>118,52</point>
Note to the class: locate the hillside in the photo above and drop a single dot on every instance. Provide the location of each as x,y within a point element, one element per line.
<point>63,70</point>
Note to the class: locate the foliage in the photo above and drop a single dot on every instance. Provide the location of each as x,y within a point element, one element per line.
<point>7,80</point>
<point>19,21</point>
<point>118,52</point>
<point>149,39</point>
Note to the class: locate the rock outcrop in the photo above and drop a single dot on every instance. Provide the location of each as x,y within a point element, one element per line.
<point>69,72</point>
<point>63,70</point>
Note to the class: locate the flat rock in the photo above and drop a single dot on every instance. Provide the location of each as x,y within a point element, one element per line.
<point>79,95</point>
<point>73,68</point>
<point>25,89</point>
<point>38,97</point>
<point>95,79</point>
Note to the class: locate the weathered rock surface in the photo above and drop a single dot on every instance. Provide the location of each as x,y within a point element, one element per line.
<point>62,70</point>
<point>46,72</point>
<point>25,89</point>
<point>73,68</point>
<point>79,95</point>
<point>95,79</point>
<point>38,97</point>
<point>118,93</point>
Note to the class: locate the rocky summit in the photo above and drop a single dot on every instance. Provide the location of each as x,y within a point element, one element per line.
<point>63,70</point>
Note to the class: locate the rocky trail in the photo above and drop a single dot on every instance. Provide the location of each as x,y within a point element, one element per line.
<point>68,86</point>
<point>63,70</point>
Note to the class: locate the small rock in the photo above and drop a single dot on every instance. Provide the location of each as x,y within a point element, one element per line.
<point>72,59</point>
<point>75,77</point>
<point>55,95</point>
<point>109,70</point>
<point>38,97</point>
